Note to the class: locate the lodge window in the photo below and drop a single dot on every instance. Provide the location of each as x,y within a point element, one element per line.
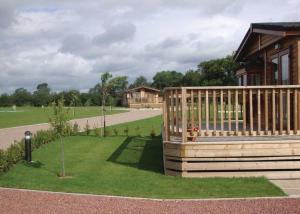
<point>254,79</point>
<point>242,80</point>
<point>281,68</point>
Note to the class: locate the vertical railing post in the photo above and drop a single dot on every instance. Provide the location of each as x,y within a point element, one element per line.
<point>236,112</point>
<point>273,112</point>
<point>172,111</point>
<point>192,110</point>
<point>207,111</point>
<point>266,112</point>
<point>244,112</point>
<point>258,112</point>
<point>295,112</point>
<point>200,112</point>
<point>288,113</point>
<point>177,112</point>
<point>229,111</point>
<point>166,116</point>
<point>215,112</point>
<point>222,111</point>
<point>184,115</point>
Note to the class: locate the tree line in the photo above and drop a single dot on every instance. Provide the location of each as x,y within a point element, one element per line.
<point>214,72</point>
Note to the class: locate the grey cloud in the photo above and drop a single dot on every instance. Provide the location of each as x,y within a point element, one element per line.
<point>115,34</point>
<point>68,43</point>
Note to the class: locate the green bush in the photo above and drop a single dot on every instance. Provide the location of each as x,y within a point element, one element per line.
<point>107,132</point>
<point>43,137</point>
<point>116,132</point>
<point>87,128</point>
<point>3,161</point>
<point>15,152</point>
<point>97,132</point>
<point>137,131</point>
<point>126,131</point>
<point>75,128</point>
<point>152,132</point>
<point>68,130</point>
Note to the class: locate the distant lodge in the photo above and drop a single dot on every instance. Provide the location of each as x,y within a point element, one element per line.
<point>142,97</point>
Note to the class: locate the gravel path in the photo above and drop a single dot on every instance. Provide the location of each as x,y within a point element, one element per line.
<point>8,135</point>
<point>23,201</point>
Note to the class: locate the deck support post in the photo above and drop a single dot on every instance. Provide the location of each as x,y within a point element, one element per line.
<point>184,115</point>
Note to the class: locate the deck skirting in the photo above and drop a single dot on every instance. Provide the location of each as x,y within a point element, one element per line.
<point>273,159</point>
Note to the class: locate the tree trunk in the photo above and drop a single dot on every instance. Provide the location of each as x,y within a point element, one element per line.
<point>62,158</point>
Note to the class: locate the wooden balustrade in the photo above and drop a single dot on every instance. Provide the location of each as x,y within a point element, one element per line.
<point>191,112</point>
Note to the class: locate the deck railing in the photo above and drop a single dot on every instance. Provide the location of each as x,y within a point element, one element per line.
<point>191,112</point>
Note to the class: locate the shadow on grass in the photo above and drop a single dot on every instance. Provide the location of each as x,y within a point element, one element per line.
<point>34,164</point>
<point>140,152</point>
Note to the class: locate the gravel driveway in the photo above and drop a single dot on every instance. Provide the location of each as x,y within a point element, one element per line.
<point>8,135</point>
<point>23,201</point>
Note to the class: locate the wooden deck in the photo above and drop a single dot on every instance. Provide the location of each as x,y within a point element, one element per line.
<point>273,157</point>
<point>217,132</point>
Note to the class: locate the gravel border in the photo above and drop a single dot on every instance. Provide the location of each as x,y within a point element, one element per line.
<point>31,201</point>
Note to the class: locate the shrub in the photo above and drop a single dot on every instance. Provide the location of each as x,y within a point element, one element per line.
<point>116,132</point>
<point>68,130</point>
<point>3,161</point>
<point>87,128</point>
<point>152,132</point>
<point>137,131</point>
<point>75,128</point>
<point>15,152</point>
<point>126,131</point>
<point>43,137</point>
<point>97,132</point>
<point>107,132</point>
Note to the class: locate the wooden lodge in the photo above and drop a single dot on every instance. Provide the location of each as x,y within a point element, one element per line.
<point>143,97</point>
<point>248,130</point>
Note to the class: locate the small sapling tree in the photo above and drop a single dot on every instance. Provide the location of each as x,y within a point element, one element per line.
<point>60,125</point>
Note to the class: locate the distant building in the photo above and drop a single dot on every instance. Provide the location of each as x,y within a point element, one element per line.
<point>142,97</point>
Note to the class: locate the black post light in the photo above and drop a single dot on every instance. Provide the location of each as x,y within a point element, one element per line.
<point>28,146</point>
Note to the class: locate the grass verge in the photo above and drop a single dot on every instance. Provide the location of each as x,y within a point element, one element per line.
<point>34,115</point>
<point>126,166</point>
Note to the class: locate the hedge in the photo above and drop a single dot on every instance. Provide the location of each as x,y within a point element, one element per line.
<point>16,151</point>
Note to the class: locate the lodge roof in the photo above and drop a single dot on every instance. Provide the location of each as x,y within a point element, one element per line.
<point>281,29</point>
<point>143,87</point>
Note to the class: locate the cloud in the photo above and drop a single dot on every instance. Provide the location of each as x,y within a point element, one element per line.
<point>68,43</point>
<point>116,34</point>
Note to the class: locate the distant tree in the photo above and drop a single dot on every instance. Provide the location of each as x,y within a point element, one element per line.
<point>42,96</point>
<point>74,99</point>
<point>6,100</point>
<point>95,95</point>
<point>140,81</point>
<point>116,88</point>
<point>85,99</point>
<point>191,78</point>
<point>167,79</point>
<point>218,72</point>
<point>104,86</point>
<point>21,97</point>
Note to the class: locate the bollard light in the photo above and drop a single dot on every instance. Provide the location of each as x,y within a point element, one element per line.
<point>28,146</point>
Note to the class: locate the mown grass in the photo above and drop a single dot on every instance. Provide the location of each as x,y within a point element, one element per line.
<point>34,115</point>
<point>123,165</point>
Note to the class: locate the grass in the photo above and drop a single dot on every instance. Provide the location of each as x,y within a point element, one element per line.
<point>123,165</point>
<point>34,115</point>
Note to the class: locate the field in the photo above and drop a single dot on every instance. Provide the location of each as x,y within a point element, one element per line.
<point>35,115</point>
<point>121,164</point>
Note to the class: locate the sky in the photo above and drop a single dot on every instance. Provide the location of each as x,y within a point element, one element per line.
<point>68,43</point>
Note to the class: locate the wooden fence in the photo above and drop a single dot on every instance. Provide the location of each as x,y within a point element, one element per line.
<point>191,112</point>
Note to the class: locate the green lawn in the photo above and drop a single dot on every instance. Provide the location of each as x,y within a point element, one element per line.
<point>34,115</point>
<point>123,165</point>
